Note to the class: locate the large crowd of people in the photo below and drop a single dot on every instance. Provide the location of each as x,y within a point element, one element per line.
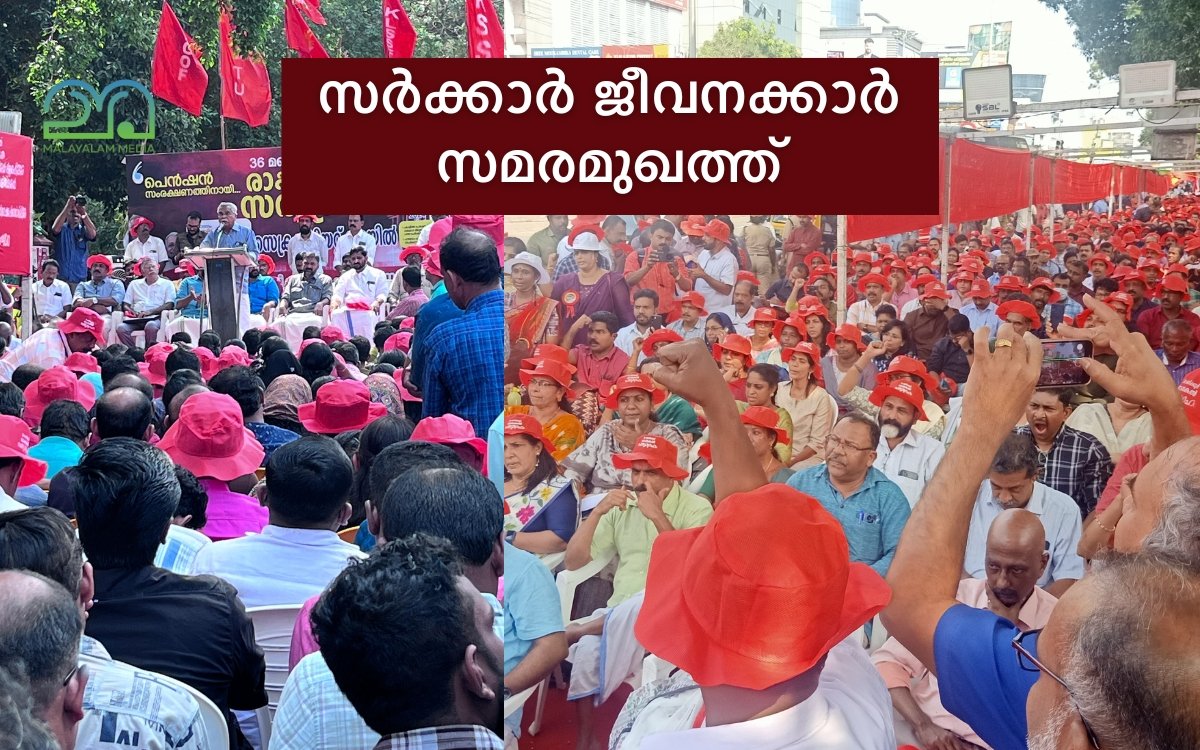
<point>287,539</point>
<point>789,525</point>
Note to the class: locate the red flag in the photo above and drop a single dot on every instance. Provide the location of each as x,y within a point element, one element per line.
<point>485,35</point>
<point>399,36</point>
<point>245,86</point>
<point>299,36</point>
<point>175,73</point>
<point>312,9</point>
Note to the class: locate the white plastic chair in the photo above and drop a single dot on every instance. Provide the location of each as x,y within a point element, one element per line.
<point>273,634</point>
<point>569,580</point>
<point>553,560</point>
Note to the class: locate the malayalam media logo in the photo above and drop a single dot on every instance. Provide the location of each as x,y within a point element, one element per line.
<point>99,117</point>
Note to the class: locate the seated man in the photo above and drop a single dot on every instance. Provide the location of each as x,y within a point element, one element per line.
<point>145,301</point>
<point>1012,483</point>
<point>1014,560</point>
<point>358,294</point>
<point>42,541</point>
<point>263,291</point>
<point>298,553</point>
<point>191,628</point>
<point>604,651</point>
<point>904,455</point>
<point>101,292</point>
<point>303,302</point>
<point>872,509</point>
<point>244,386</point>
<point>51,296</point>
<point>191,304</point>
<point>410,642</point>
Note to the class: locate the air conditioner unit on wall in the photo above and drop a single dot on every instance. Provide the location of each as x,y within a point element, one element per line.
<point>1149,84</point>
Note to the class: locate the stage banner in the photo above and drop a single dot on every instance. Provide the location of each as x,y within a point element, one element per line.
<point>167,187</point>
<point>16,203</point>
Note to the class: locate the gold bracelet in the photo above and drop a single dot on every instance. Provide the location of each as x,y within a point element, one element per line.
<point>1113,530</point>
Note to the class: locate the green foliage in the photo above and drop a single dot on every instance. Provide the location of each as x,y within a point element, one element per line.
<point>746,38</point>
<point>1112,33</point>
<point>43,42</point>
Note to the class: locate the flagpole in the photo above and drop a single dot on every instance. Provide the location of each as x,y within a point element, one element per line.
<point>222,132</point>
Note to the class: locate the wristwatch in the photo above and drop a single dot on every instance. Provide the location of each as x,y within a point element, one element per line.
<point>510,536</point>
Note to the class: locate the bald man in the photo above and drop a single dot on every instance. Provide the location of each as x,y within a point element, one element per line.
<point>1014,560</point>
<point>1012,483</point>
<point>40,626</point>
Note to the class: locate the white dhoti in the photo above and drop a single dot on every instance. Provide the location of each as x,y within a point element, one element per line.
<point>354,322</point>
<point>291,327</point>
<point>190,326</point>
<point>600,664</point>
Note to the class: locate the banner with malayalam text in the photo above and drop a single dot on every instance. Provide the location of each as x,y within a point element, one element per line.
<point>16,203</point>
<point>166,187</point>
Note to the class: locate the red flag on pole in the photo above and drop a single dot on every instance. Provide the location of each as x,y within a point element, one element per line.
<point>176,75</point>
<point>399,36</point>
<point>485,35</point>
<point>312,9</point>
<point>245,86</point>
<point>299,36</point>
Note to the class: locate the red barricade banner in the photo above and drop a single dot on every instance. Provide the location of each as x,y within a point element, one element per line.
<point>16,197</point>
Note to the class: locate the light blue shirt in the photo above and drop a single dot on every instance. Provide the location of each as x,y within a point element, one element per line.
<point>495,441</point>
<point>235,237</point>
<point>985,317</point>
<point>531,610</point>
<point>57,452</point>
<point>1059,515</point>
<point>108,287</point>
<point>873,517</point>
<point>186,287</point>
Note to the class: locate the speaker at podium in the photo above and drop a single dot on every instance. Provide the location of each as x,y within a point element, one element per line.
<point>228,304</point>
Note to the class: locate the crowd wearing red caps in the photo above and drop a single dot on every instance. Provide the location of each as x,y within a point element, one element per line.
<point>222,488</point>
<point>742,465</point>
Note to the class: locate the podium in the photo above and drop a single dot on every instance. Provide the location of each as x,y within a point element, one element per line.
<point>221,290</point>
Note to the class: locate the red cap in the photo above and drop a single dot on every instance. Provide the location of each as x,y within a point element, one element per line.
<point>1170,284</point>
<point>340,406</point>
<point>401,341</point>
<point>979,288</point>
<point>634,382</point>
<point>655,450</point>
<point>268,261</point>
<point>846,331</point>
<point>737,602</point>
<point>81,362</point>
<point>56,384</point>
<point>863,257</point>
<point>100,259</point>
<point>523,424</point>
<point>448,429</point>
<point>15,441</point>
<point>84,320</point>
<point>661,336</point>
<point>872,278</point>
<point>1010,283</point>
<point>718,230</point>
<point>557,371</point>
<point>904,390</point>
<point>1188,389</point>
<point>1020,307</point>
<point>811,351</point>
<point>695,299</point>
<point>768,419</point>
<point>735,343</point>
<point>935,290</point>
<point>211,440</point>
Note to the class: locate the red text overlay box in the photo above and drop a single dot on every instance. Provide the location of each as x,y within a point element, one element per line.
<point>755,136</point>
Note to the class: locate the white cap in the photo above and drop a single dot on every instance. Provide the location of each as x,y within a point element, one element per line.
<point>586,241</point>
<point>528,259</point>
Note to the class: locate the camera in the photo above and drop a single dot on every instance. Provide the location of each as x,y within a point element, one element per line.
<point>81,200</point>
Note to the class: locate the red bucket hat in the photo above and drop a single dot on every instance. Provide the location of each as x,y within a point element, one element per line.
<point>84,320</point>
<point>211,440</point>
<point>100,259</point>
<point>747,276</point>
<point>557,371</point>
<point>412,250</point>
<point>693,226</point>
<point>230,356</point>
<point>1010,284</point>
<point>15,441</point>
<point>634,382</point>
<point>266,259</point>
<point>906,365</point>
<point>154,363</point>
<point>340,406</point>
<point>523,424</point>
<point>81,362</point>
<point>1169,284</point>
<point>448,429</point>
<point>1043,282</point>
<point>847,331</point>
<point>655,450</point>
<point>401,341</point>
<point>1189,391</point>
<point>872,278</point>
<point>718,230</point>
<point>935,289</point>
<point>768,419</point>
<point>137,223</point>
<point>979,288</point>
<point>548,351</point>
<point>764,315</point>
<point>661,336</point>
<point>810,350</point>
<point>56,384</point>
<point>795,320</point>
<point>330,334</point>
<point>1020,307</point>
<point>903,390</point>
<point>735,343</point>
<point>695,299</point>
<point>736,602</point>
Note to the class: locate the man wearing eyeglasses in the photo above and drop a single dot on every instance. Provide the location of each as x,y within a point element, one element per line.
<point>871,508</point>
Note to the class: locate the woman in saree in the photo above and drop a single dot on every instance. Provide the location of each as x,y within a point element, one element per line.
<point>590,290</point>
<point>546,387</point>
<point>534,489</point>
<point>530,316</point>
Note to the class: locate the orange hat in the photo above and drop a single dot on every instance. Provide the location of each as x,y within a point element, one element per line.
<point>655,450</point>
<point>768,419</point>
<point>634,382</point>
<point>1010,283</point>
<point>904,390</point>
<point>810,350</point>
<point>1044,282</point>
<point>548,351</point>
<point>693,226</point>
<point>694,299</point>
<point>1171,283</point>
<point>523,424</point>
<point>906,365</point>
<point>661,336</point>
<point>737,602</point>
<point>557,371</point>
<point>1020,307</point>
<point>718,230</point>
<point>733,343</point>
<point>872,278</point>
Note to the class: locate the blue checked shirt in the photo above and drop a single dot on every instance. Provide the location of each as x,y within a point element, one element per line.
<point>464,367</point>
<point>1078,465</point>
